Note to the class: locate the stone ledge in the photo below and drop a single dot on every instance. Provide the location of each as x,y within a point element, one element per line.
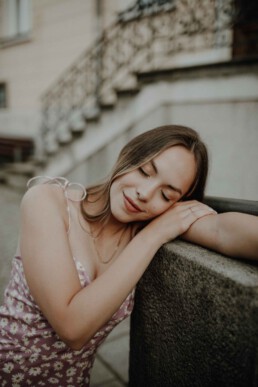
<point>195,321</point>
<point>15,40</point>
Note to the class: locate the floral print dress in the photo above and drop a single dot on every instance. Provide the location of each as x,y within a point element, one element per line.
<point>31,353</point>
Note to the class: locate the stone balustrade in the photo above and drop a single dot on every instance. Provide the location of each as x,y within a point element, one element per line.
<point>195,321</point>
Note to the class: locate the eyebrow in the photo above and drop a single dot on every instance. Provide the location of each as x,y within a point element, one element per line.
<point>154,166</point>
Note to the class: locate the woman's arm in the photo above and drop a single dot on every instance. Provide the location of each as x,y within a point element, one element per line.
<point>76,313</point>
<point>233,234</point>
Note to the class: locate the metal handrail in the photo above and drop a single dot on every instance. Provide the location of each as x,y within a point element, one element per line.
<point>221,205</point>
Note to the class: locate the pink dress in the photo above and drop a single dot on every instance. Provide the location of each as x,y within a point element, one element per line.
<point>31,353</point>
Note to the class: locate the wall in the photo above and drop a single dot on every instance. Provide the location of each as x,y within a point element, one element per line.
<point>195,321</point>
<point>221,107</point>
<point>61,31</point>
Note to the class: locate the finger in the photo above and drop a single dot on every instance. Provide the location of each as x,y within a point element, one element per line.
<point>187,203</point>
<point>203,212</point>
<point>190,217</point>
<point>194,213</point>
<point>202,207</point>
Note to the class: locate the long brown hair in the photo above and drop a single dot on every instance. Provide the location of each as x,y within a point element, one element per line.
<point>142,149</point>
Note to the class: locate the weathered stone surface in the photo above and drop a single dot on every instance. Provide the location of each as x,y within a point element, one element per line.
<point>195,322</point>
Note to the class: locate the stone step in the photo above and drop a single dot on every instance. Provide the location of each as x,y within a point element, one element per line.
<point>16,175</point>
<point>92,114</point>
<point>107,106</point>
<point>125,93</point>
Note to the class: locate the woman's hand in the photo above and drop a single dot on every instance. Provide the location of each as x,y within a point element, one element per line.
<point>178,218</point>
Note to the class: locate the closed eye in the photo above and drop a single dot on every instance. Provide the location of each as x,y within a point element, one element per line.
<point>165,197</point>
<point>142,171</point>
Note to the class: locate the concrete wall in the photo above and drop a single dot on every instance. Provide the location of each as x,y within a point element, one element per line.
<point>223,109</point>
<point>195,321</point>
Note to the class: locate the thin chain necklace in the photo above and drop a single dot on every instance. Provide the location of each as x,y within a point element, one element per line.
<point>114,251</point>
<point>95,237</point>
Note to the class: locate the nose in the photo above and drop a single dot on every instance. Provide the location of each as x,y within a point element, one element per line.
<point>145,192</point>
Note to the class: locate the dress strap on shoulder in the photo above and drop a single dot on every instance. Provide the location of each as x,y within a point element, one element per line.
<point>62,182</point>
<point>65,184</point>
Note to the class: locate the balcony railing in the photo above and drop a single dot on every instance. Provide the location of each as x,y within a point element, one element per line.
<point>145,43</point>
<point>232,205</point>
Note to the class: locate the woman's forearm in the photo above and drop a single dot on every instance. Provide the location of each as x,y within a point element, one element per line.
<point>95,304</point>
<point>233,234</point>
<point>238,235</point>
<point>106,293</point>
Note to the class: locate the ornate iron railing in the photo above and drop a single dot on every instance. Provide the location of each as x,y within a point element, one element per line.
<point>143,7</point>
<point>148,42</point>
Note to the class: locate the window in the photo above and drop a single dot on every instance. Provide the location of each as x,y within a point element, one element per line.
<point>17,18</point>
<point>3,98</point>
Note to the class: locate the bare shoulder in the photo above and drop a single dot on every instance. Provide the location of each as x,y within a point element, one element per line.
<point>46,200</point>
<point>43,193</point>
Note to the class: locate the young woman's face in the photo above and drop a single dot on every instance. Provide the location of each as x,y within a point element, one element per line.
<point>151,189</point>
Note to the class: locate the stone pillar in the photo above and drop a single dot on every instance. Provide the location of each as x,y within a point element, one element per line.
<point>195,321</point>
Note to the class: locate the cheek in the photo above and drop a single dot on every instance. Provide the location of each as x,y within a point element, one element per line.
<point>120,183</point>
<point>158,209</point>
<point>116,187</point>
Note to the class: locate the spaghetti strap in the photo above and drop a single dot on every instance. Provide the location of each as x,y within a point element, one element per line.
<point>65,184</point>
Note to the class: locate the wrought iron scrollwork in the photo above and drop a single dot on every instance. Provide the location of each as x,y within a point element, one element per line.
<point>148,7</point>
<point>147,42</point>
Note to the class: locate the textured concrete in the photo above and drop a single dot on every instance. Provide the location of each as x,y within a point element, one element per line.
<point>195,321</point>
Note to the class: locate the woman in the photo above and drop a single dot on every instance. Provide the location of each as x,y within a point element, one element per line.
<point>79,258</point>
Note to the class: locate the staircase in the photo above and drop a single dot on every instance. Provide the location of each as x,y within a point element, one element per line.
<point>97,99</point>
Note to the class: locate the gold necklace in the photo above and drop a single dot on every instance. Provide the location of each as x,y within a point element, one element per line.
<point>115,250</point>
<point>95,237</point>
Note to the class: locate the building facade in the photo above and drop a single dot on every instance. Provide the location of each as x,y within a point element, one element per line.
<point>38,40</point>
<point>81,94</point>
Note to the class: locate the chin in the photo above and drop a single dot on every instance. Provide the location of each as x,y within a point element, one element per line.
<point>120,216</point>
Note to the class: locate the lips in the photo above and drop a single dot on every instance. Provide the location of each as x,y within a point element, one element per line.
<point>130,205</point>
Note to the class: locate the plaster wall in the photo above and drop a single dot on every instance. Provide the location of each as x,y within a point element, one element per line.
<point>231,134</point>
<point>61,31</point>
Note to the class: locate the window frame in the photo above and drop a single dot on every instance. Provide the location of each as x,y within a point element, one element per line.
<point>17,22</point>
<point>3,86</point>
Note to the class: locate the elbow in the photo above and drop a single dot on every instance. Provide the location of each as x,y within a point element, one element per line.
<point>72,342</point>
<point>72,338</point>
<point>75,345</point>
